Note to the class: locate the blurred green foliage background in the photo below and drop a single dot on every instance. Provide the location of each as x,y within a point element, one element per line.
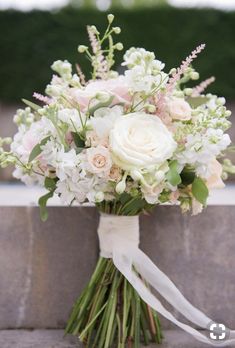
<point>30,42</point>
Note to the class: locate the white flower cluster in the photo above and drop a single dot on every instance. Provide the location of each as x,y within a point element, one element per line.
<point>144,71</point>
<point>138,135</point>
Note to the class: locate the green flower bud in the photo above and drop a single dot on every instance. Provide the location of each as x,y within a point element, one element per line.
<point>188,91</point>
<point>117,30</point>
<point>228,113</point>
<point>102,96</point>
<point>151,108</point>
<point>82,48</point>
<point>119,46</point>
<point>110,18</point>
<point>194,75</point>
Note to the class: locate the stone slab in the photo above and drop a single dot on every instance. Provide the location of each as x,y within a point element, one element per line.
<point>44,266</point>
<point>55,339</point>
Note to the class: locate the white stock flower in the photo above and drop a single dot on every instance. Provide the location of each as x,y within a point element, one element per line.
<point>139,140</point>
<point>139,56</point>
<point>71,117</point>
<point>202,148</point>
<point>151,193</point>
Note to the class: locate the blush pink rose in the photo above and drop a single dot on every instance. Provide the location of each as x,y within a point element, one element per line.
<point>214,180</point>
<point>179,109</point>
<point>117,87</point>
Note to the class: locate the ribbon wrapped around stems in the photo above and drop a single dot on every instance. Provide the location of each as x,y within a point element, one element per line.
<point>119,240</point>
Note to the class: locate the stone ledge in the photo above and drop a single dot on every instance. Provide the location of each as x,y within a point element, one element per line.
<point>55,339</point>
<point>44,266</point>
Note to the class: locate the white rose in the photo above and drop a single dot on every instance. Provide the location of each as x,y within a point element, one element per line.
<point>139,140</point>
<point>179,109</point>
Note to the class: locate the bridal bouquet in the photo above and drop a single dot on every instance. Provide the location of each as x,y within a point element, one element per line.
<point>126,143</point>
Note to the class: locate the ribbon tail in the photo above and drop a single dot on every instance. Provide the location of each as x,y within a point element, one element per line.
<point>125,258</point>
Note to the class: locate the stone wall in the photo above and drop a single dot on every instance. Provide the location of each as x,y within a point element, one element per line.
<point>44,266</point>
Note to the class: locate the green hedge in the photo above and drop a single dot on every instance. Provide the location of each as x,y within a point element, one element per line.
<point>30,42</point>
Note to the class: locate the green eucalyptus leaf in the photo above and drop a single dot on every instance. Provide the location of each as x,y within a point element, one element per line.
<point>42,204</point>
<point>172,175</point>
<point>194,102</point>
<point>50,183</point>
<point>187,176</point>
<point>31,104</point>
<point>37,149</point>
<point>200,190</point>
<point>79,142</point>
<point>124,198</point>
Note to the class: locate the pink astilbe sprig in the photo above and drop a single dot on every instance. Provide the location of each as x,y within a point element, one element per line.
<point>202,86</point>
<point>183,67</point>
<point>81,75</point>
<point>160,98</point>
<point>100,60</point>
<point>95,45</point>
<point>42,98</point>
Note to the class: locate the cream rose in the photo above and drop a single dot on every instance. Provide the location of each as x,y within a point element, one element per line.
<point>179,109</point>
<point>139,140</point>
<point>99,160</point>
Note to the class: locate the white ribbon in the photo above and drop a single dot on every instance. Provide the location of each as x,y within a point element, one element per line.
<point>119,240</point>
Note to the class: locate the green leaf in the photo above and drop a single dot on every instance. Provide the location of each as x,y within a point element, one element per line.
<point>79,142</point>
<point>37,149</point>
<point>42,204</point>
<point>173,176</point>
<point>200,190</point>
<point>197,101</point>
<point>187,176</point>
<point>50,183</point>
<point>101,105</point>
<point>31,104</point>
<point>124,198</point>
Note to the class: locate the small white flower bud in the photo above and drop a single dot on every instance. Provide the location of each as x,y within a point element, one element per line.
<point>119,46</point>
<point>99,197</point>
<point>179,94</point>
<point>172,71</point>
<point>188,91</point>
<point>151,108</point>
<point>221,101</point>
<point>110,18</point>
<point>228,113</point>
<point>136,175</point>
<point>117,30</point>
<point>102,97</point>
<point>94,29</point>
<point>121,186</point>
<point>194,75</point>
<point>82,48</point>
